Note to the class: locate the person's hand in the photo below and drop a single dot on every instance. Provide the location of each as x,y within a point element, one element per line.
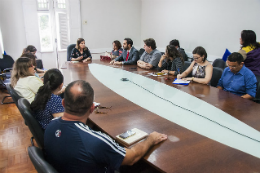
<point>79,58</point>
<point>157,137</point>
<point>118,63</point>
<point>165,71</point>
<point>88,59</point>
<point>179,76</point>
<point>163,57</point>
<point>112,62</point>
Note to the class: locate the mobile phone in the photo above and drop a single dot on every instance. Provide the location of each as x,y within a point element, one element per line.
<point>127,134</point>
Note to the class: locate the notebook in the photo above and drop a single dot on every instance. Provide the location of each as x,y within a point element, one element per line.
<point>181,82</point>
<point>139,135</point>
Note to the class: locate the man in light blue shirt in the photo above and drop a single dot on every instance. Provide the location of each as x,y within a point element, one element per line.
<point>238,79</point>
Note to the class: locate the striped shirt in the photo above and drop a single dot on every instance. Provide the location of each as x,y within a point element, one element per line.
<point>72,146</point>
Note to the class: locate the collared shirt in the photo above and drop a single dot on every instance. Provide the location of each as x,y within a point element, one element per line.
<point>152,58</point>
<point>240,83</point>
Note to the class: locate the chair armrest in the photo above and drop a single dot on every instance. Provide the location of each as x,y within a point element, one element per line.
<point>7,69</point>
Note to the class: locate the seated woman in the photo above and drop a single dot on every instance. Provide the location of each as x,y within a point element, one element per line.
<point>31,49</point>
<point>23,80</point>
<point>171,62</point>
<point>47,104</point>
<point>80,52</point>
<point>117,49</point>
<point>33,59</point>
<point>250,50</point>
<point>201,69</point>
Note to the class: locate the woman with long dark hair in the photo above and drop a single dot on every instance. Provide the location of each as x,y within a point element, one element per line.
<point>80,52</point>
<point>23,78</point>
<point>250,50</point>
<point>117,49</point>
<point>172,62</point>
<point>47,103</point>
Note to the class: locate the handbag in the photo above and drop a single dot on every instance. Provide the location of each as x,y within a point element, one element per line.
<point>103,58</point>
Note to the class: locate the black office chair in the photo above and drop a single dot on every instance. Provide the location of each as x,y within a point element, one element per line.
<point>37,157</point>
<point>33,124</point>
<point>6,65</point>
<point>13,94</point>
<point>69,49</point>
<point>216,75</point>
<point>257,96</point>
<point>4,81</point>
<point>39,63</point>
<point>141,51</point>
<point>186,65</point>
<point>219,63</point>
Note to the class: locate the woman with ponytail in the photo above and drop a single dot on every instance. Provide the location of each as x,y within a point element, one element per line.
<point>47,102</point>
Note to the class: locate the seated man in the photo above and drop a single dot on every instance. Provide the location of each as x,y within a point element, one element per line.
<point>238,79</point>
<point>71,146</point>
<point>129,56</point>
<point>181,50</point>
<point>151,56</point>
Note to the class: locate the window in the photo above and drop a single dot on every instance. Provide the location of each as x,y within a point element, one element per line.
<point>45,32</point>
<point>53,23</point>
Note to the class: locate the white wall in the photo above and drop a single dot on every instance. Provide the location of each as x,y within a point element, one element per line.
<point>12,26</point>
<point>109,20</point>
<point>213,24</point>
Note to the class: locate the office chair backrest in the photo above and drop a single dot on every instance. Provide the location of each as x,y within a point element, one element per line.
<point>216,75</point>
<point>69,49</point>
<point>6,62</point>
<point>185,66</point>
<point>141,51</point>
<point>39,63</point>
<point>33,124</point>
<point>219,63</point>
<point>37,157</point>
<point>13,94</point>
<point>257,96</point>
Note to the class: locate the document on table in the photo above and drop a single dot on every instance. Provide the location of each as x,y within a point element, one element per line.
<point>181,82</point>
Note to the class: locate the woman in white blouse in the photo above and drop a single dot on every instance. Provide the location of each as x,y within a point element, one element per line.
<point>23,80</point>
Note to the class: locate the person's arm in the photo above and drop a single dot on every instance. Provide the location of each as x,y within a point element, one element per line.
<point>187,71</point>
<point>133,60</point>
<point>247,96</point>
<point>250,82</point>
<point>39,70</point>
<point>141,64</point>
<point>138,151</point>
<point>89,57</point>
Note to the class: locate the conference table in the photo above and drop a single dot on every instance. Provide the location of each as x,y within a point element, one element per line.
<point>185,150</point>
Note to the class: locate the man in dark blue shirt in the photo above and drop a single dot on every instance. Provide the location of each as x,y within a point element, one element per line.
<point>238,79</point>
<point>71,146</point>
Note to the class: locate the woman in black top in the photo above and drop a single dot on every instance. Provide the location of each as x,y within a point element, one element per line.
<point>80,52</point>
<point>172,62</point>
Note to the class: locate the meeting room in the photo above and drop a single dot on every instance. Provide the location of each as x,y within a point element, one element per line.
<point>120,86</point>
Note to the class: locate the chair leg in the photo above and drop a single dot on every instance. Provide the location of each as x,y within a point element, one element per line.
<point>6,102</point>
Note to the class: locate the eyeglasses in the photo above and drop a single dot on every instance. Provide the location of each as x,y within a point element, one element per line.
<point>102,107</point>
<point>233,67</point>
<point>196,58</point>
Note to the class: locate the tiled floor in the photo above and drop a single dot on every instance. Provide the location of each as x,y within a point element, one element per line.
<point>14,140</point>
